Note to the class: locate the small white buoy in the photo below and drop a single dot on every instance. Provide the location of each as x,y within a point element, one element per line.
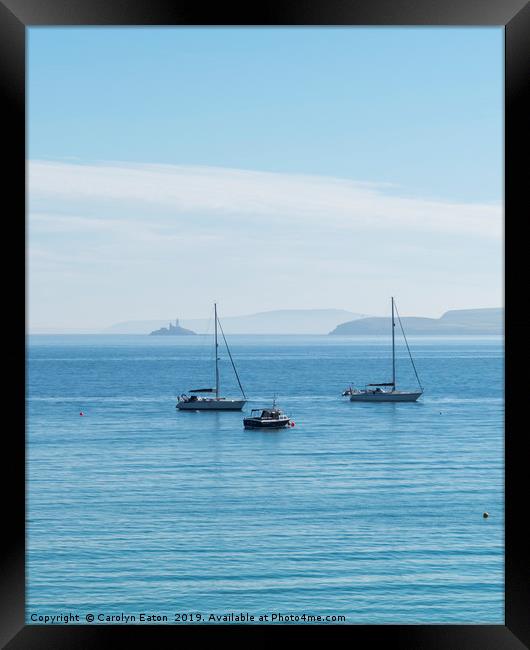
<point>485,515</point>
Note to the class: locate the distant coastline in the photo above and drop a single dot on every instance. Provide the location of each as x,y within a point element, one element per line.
<point>280,321</point>
<point>471,322</point>
<point>456,322</point>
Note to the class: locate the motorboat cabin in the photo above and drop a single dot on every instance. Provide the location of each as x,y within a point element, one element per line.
<point>272,418</point>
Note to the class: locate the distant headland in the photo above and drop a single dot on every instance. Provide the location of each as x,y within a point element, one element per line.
<point>454,322</point>
<point>279,321</point>
<point>172,330</point>
<point>324,321</point>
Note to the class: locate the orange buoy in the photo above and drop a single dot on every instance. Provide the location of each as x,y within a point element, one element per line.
<point>292,424</point>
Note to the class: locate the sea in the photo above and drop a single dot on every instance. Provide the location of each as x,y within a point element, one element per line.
<point>361,513</point>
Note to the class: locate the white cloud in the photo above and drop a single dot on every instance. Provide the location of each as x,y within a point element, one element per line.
<point>141,230</point>
<point>115,241</point>
<point>161,191</point>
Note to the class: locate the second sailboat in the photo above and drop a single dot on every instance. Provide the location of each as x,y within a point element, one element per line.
<point>195,402</point>
<point>387,391</point>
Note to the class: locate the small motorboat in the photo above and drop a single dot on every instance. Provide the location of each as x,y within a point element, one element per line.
<point>272,418</point>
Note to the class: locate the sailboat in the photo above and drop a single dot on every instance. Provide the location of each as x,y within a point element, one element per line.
<point>387,391</point>
<point>195,402</point>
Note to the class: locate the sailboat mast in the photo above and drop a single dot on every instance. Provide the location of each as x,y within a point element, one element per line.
<point>393,348</point>
<point>216,354</point>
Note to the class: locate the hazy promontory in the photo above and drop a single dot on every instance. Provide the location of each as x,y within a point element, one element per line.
<point>454,322</point>
<point>172,330</point>
<point>282,321</point>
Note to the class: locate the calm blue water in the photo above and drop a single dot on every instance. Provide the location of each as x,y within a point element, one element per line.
<point>370,511</point>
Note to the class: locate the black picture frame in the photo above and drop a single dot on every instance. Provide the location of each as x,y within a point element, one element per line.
<point>514,15</point>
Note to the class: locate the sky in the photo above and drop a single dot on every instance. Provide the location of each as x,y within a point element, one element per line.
<point>264,168</point>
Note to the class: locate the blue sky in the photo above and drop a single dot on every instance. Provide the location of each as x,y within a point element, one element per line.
<point>155,154</point>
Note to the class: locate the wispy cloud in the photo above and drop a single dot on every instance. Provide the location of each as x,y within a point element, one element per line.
<point>116,241</point>
<point>160,191</point>
<point>144,230</point>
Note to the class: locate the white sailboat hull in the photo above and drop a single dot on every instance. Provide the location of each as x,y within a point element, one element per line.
<point>390,396</point>
<point>212,404</point>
